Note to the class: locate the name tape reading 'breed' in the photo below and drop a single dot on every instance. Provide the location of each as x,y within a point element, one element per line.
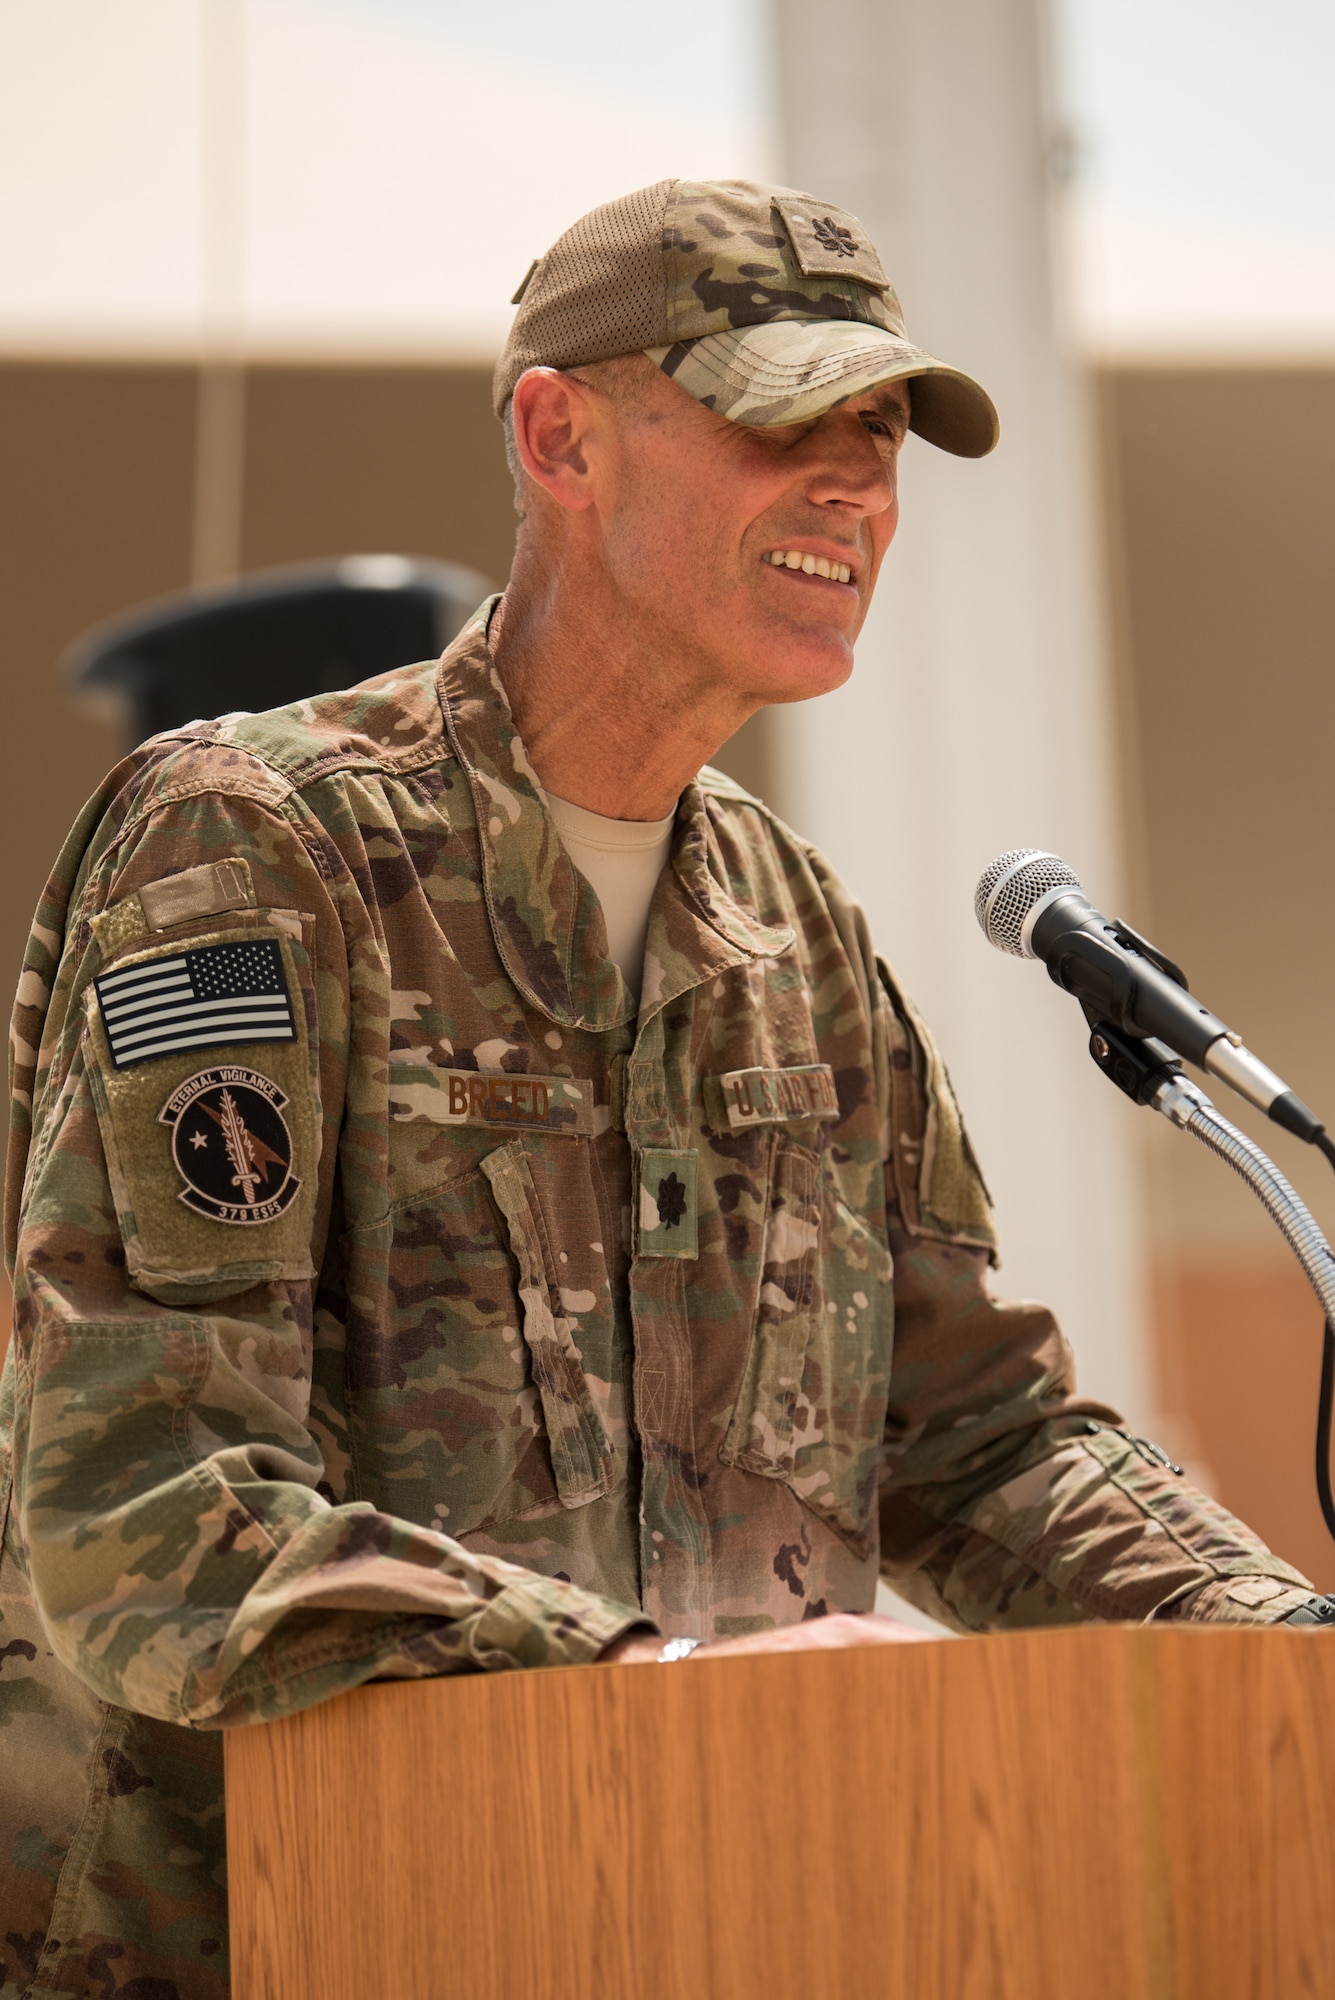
<point>498,1099</point>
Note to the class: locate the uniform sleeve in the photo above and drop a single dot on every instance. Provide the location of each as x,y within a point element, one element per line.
<point>1008,1500</point>
<point>181,1554</point>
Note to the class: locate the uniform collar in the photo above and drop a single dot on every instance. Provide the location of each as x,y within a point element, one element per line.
<point>545,918</point>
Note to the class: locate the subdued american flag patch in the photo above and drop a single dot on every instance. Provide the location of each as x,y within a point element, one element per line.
<point>196,1000</point>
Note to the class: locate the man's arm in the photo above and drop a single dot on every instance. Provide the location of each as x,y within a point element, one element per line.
<point>1006,1498</point>
<point>179,1551</point>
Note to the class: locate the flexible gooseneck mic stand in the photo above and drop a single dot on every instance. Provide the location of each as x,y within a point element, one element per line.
<point>1149,1072</point>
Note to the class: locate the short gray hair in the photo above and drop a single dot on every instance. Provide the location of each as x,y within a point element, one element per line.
<point>517,472</point>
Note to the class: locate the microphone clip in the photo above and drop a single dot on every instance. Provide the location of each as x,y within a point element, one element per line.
<point>1138,1065</point>
<point>1133,941</point>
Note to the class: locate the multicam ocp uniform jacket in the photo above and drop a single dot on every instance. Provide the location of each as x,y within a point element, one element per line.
<point>394,1300</point>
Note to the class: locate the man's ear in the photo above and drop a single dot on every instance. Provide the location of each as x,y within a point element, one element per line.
<point>553,417</point>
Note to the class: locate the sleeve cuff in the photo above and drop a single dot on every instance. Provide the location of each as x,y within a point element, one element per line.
<point>540,1622</point>
<point>1256,1599</point>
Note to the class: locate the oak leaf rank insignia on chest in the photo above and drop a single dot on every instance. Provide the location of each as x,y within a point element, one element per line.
<point>668,1203</point>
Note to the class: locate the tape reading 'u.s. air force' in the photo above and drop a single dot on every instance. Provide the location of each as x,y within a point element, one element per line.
<point>744,1097</point>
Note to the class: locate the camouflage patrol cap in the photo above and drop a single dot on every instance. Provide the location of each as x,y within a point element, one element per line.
<point>767,305</point>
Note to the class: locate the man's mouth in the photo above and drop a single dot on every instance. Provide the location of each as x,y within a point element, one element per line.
<point>810,565</point>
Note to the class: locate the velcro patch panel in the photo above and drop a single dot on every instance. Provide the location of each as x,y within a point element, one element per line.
<point>213,1171</point>
<point>205,891</point>
<point>830,244</point>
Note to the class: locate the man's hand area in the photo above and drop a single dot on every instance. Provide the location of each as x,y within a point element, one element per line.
<point>842,1628</point>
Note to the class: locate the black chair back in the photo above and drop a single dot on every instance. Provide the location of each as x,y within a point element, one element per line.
<point>273,637</point>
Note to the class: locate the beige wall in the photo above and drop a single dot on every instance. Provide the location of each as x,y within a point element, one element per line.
<point>1226,513</point>
<point>1222,510</point>
<point>1221,513</point>
<point>95,515</point>
<point>979,716</point>
<point>95,480</point>
<point>383,458</point>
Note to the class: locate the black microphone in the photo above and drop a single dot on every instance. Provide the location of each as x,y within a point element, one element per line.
<point>1032,905</point>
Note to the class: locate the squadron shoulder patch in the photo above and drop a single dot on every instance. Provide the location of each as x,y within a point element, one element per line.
<point>231,1145</point>
<point>195,1000</point>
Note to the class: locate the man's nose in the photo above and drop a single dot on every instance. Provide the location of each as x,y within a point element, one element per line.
<point>851,471</point>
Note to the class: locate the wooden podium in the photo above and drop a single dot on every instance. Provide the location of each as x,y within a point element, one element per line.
<point>1106,1811</point>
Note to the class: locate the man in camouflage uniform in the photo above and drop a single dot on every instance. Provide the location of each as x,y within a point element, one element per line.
<point>395,1296</point>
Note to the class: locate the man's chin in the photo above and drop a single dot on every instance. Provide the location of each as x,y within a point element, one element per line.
<point>803,669</point>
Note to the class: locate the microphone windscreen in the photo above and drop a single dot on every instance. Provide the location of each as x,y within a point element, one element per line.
<point>1008,890</point>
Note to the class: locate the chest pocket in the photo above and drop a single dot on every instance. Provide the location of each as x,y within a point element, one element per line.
<point>469,1397</point>
<point>811,1407</point>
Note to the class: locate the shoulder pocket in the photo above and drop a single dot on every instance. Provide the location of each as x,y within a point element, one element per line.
<point>938,1182</point>
<point>203,1075</point>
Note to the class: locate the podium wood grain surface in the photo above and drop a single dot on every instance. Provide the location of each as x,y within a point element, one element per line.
<point>1106,1811</point>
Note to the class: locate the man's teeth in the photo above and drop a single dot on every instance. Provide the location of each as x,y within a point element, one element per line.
<point>813,565</point>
